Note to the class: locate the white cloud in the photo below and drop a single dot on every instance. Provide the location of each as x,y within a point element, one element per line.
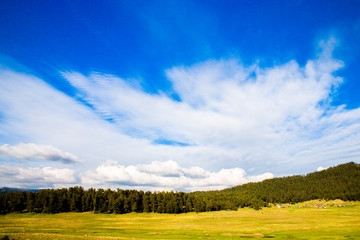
<point>33,111</point>
<point>277,119</point>
<point>319,169</point>
<point>35,177</point>
<point>166,176</point>
<point>35,151</point>
<point>267,116</point>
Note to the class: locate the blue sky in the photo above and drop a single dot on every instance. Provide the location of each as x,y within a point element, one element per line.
<point>176,95</point>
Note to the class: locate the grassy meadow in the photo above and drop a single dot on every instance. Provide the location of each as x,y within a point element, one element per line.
<point>278,223</point>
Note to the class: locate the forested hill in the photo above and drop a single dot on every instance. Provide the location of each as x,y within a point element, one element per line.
<point>341,182</point>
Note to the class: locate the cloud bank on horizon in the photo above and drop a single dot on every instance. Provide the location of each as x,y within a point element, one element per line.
<point>228,116</point>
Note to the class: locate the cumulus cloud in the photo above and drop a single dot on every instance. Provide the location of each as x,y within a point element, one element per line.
<point>166,176</point>
<point>35,177</point>
<point>35,151</point>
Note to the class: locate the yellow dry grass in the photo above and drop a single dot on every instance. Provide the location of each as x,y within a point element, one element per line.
<point>284,223</point>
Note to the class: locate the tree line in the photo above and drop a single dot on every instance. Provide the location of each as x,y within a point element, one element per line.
<point>76,199</point>
<point>341,182</point>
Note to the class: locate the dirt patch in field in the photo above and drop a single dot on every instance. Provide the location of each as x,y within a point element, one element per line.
<point>247,235</point>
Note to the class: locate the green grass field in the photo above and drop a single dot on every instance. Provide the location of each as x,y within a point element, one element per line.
<point>283,223</point>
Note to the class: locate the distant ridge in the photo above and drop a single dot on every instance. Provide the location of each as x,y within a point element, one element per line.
<point>6,190</point>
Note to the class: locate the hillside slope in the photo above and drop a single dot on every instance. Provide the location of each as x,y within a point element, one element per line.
<point>340,182</point>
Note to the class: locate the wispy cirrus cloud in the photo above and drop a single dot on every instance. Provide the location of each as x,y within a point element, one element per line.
<point>266,116</point>
<point>35,151</point>
<point>277,119</point>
